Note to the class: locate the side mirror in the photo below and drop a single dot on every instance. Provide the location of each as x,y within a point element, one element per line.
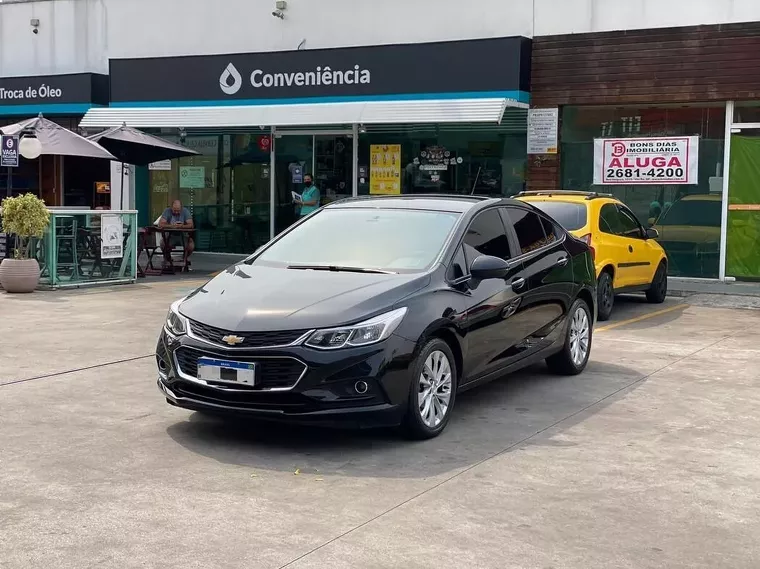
<point>487,267</point>
<point>652,233</point>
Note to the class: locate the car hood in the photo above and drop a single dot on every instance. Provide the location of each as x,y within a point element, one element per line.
<point>688,233</point>
<point>249,298</point>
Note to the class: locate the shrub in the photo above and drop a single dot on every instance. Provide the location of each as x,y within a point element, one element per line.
<point>25,217</point>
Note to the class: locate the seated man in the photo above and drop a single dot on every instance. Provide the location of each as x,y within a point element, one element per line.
<point>176,217</point>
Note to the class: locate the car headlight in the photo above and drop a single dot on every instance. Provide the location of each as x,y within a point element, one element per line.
<point>175,322</point>
<point>368,332</point>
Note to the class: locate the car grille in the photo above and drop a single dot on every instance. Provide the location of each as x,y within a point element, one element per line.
<point>272,373</point>
<point>250,339</point>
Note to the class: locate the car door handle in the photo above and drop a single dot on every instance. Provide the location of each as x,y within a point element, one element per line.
<point>630,248</point>
<point>562,262</point>
<point>518,284</point>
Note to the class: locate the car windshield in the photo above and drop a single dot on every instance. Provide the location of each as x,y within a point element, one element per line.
<point>395,240</point>
<point>699,213</point>
<point>569,215</point>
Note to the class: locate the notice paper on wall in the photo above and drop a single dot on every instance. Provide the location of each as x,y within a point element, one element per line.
<point>385,169</point>
<point>192,177</point>
<point>646,161</point>
<point>543,128</point>
<point>111,237</point>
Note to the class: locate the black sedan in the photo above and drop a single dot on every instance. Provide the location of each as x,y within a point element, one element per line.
<point>378,311</point>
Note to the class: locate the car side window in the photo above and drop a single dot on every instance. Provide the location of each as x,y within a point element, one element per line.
<point>629,224</point>
<point>486,235</point>
<point>609,220</point>
<point>549,230</point>
<point>458,267</point>
<point>529,227</point>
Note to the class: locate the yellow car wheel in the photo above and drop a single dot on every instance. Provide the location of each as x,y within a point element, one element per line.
<point>659,289</point>
<point>605,296</point>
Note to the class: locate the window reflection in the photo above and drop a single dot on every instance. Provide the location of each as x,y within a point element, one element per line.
<point>466,159</point>
<point>684,215</point>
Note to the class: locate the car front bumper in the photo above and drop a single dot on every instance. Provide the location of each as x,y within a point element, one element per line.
<point>295,384</point>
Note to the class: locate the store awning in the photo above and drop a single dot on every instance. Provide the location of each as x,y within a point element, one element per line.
<point>477,110</point>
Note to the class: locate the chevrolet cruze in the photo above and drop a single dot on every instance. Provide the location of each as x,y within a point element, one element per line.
<point>378,311</point>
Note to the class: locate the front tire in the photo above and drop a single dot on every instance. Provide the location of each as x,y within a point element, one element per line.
<point>659,288</point>
<point>432,391</point>
<point>573,357</point>
<point>605,293</point>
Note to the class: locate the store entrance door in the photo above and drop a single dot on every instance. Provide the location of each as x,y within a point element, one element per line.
<point>327,157</point>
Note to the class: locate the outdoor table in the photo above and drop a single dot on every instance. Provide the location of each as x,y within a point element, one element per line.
<point>166,234</point>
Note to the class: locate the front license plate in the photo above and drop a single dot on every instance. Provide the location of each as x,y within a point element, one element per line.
<point>225,371</point>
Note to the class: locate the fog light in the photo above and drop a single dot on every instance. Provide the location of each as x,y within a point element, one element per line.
<point>361,387</point>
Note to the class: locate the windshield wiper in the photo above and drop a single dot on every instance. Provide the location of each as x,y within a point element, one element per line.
<point>341,269</point>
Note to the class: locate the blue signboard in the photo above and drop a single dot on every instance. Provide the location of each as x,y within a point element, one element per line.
<point>9,154</point>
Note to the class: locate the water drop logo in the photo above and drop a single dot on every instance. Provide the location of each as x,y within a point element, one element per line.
<point>230,80</point>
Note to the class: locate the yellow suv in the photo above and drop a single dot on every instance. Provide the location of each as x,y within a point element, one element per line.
<point>627,257</point>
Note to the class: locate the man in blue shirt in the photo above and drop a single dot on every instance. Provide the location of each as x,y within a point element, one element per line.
<point>309,197</point>
<point>177,217</point>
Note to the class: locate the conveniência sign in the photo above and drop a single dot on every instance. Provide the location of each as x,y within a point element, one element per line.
<point>230,81</point>
<point>41,92</point>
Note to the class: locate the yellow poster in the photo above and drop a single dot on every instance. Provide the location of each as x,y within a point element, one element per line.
<point>385,169</point>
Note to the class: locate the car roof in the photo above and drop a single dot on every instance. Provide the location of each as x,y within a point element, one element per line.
<point>429,202</point>
<point>566,197</point>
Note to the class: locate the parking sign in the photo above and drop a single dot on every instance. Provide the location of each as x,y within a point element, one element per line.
<point>9,153</point>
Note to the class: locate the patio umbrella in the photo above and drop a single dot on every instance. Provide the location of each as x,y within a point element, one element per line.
<point>132,146</point>
<point>56,140</point>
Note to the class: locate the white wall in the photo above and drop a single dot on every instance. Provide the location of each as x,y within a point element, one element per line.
<point>554,17</point>
<point>80,35</point>
<point>70,39</point>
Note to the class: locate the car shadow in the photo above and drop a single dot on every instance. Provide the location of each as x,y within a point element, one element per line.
<point>500,416</point>
<point>633,306</point>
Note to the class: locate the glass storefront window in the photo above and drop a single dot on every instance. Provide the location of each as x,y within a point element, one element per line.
<point>444,159</point>
<point>747,112</point>
<point>687,217</point>
<point>743,223</point>
<point>225,186</point>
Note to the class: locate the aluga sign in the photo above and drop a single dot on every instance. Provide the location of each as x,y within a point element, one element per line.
<point>643,161</point>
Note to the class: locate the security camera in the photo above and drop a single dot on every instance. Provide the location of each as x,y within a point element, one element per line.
<point>35,31</point>
<point>278,14</point>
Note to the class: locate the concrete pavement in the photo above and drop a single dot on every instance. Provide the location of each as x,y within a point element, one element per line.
<point>648,459</point>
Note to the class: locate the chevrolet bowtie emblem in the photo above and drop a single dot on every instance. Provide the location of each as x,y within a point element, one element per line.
<point>233,340</point>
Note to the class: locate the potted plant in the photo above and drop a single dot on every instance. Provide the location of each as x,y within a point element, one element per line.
<point>25,217</point>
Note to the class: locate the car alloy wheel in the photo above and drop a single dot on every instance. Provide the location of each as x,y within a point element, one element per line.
<point>434,389</point>
<point>579,336</point>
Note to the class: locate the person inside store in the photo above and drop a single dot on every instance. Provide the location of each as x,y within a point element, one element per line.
<point>177,217</point>
<point>309,197</point>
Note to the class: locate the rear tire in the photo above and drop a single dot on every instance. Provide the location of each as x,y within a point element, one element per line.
<point>432,391</point>
<point>659,288</point>
<point>605,294</point>
<point>576,350</point>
